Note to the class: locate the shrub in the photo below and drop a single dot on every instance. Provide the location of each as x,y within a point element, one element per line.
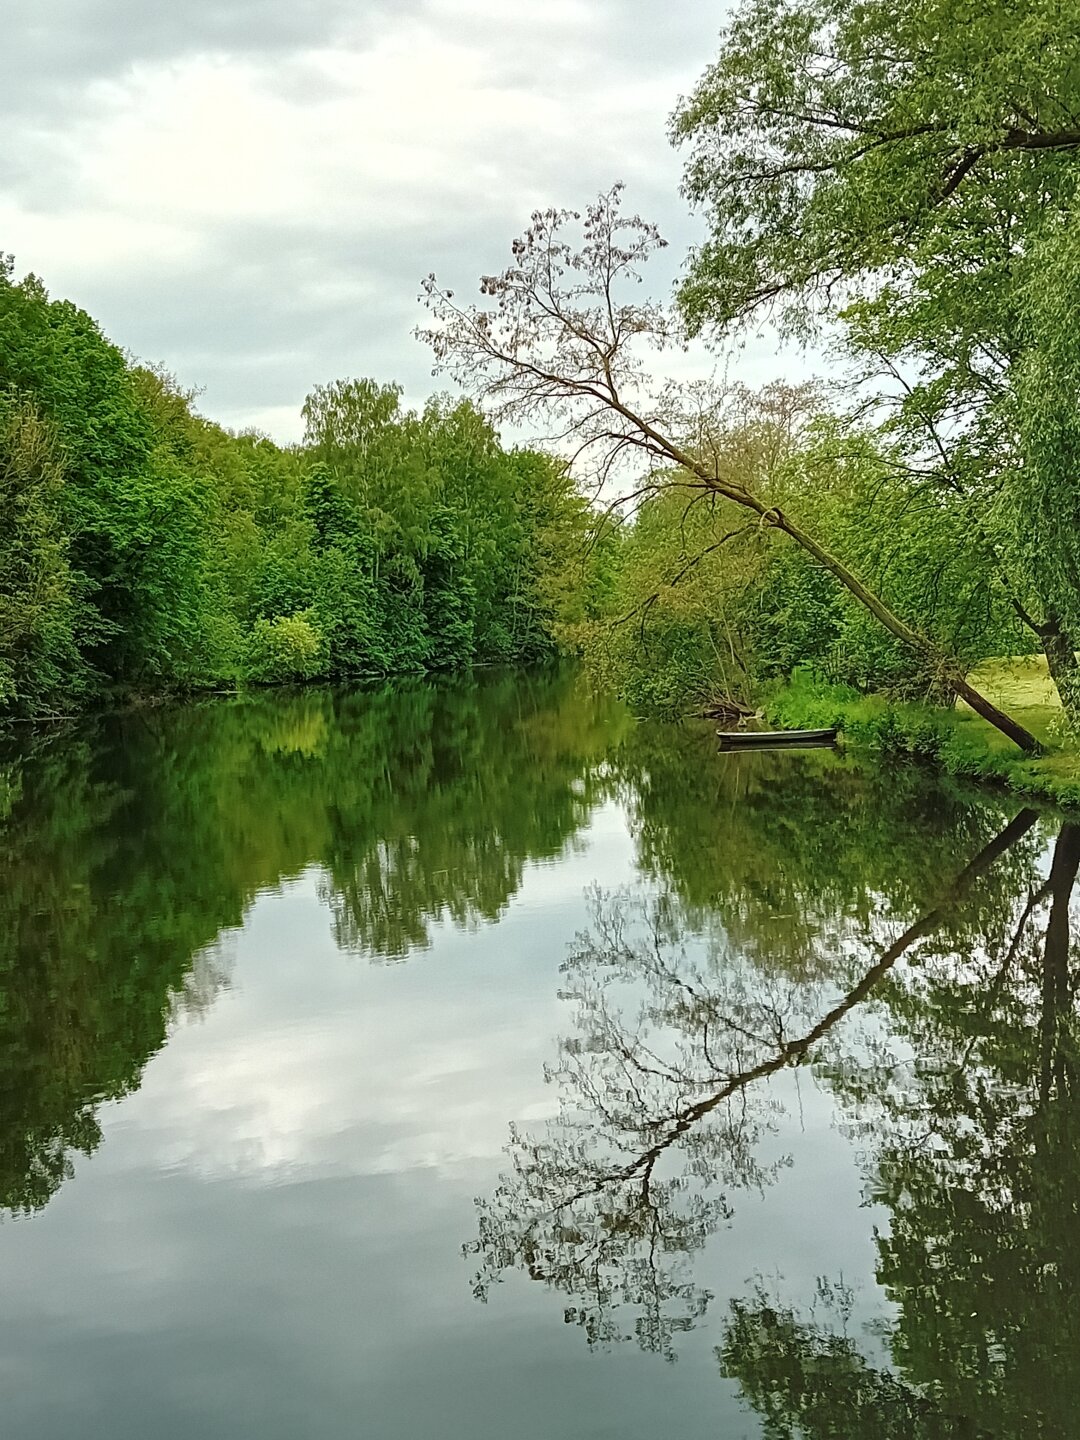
<point>289,647</point>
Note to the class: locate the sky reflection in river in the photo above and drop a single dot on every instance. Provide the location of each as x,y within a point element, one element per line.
<point>302,961</point>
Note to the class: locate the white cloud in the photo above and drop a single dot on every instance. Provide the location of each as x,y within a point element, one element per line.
<point>252,197</point>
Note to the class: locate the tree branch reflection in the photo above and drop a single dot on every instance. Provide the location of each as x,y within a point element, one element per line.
<point>660,1117</point>
<point>974,1146</point>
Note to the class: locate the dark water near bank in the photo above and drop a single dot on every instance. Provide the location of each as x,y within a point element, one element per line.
<point>743,1089</point>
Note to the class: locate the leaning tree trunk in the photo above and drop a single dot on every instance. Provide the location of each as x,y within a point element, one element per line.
<point>952,672</point>
<point>946,665</point>
<point>1056,990</point>
<point>1059,647</point>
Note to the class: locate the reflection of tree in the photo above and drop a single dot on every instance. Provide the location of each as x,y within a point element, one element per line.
<point>609,1201</point>
<point>465,783</point>
<point>84,985</point>
<point>806,1380</point>
<point>974,1146</point>
<point>128,846</point>
<point>659,1115</point>
<point>976,1151</point>
<point>798,853</point>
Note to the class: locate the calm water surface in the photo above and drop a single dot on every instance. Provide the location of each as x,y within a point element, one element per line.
<point>463,1061</point>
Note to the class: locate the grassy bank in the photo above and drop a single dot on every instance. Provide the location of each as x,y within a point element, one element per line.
<point>957,740</point>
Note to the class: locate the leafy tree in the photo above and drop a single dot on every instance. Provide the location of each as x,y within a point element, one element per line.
<point>150,550</point>
<point>558,341</point>
<point>131,515</point>
<point>38,656</point>
<point>912,166</point>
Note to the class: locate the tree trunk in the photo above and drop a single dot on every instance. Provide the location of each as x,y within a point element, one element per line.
<point>773,516</point>
<point>996,717</point>
<point>1059,647</point>
<point>953,672</point>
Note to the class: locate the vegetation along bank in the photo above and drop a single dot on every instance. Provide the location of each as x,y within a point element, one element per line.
<point>898,553</point>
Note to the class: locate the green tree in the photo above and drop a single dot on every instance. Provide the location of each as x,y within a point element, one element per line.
<point>39,661</point>
<point>132,515</point>
<point>562,337</point>
<point>913,168</point>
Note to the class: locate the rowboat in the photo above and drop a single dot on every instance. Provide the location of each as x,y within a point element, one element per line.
<point>774,739</point>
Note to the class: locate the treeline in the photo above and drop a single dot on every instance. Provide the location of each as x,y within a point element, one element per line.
<point>703,604</point>
<point>144,548</point>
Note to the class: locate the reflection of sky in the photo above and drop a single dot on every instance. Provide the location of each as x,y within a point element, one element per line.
<point>267,1243</point>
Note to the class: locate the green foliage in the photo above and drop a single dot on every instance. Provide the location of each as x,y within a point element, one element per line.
<point>955,741</point>
<point>838,141</point>
<point>146,549</point>
<point>671,636</point>
<point>1048,500</point>
<point>913,545</point>
<point>705,605</point>
<point>38,656</point>
<point>285,648</point>
<point>911,169</point>
<point>131,514</point>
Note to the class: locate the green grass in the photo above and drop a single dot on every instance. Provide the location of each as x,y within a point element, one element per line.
<point>957,740</point>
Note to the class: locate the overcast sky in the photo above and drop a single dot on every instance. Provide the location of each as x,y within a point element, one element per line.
<point>250,190</point>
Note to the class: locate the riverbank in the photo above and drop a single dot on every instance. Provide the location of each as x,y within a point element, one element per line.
<point>955,740</point>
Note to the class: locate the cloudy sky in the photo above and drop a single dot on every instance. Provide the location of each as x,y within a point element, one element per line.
<point>249,190</point>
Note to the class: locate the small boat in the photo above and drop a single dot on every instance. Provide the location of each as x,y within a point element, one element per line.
<point>774,739</point>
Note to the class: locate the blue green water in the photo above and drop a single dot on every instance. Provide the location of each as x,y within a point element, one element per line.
<point>463,1059</point>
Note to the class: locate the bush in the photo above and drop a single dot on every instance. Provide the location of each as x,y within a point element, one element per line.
<point>289,647</point>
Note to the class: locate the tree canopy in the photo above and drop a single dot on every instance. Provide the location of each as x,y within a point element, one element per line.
<point>145,549</point>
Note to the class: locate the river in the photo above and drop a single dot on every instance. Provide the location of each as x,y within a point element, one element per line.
<point>456,1060</point>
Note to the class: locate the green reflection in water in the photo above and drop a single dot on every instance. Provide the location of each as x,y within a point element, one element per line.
<point>915,952</point>
<point>907,946</point>
<point>129,846</point>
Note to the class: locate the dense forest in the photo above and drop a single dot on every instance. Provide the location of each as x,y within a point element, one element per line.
<point>144,548</point>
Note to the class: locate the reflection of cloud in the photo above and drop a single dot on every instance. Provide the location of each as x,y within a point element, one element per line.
<point>314,1063</point>
<point>268,1240</point>
<point>250,193</point>
<point>334,1095</point>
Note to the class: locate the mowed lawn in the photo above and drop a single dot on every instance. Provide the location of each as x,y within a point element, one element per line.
<point>1021,685</point>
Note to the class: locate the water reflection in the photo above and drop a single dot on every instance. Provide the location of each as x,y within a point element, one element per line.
<point>130,845</point>
<point>778,929</point>
<point>951,1052</point>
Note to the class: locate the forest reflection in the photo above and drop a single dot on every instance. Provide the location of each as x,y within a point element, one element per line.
<point>130,845</point>
<point>947,1037</point>
<point>909,945</point>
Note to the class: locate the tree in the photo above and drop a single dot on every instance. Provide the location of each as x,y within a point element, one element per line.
<point>132,513</point>
<point>913,166</point>
<point>560,342</point>
<point>38,656</point>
